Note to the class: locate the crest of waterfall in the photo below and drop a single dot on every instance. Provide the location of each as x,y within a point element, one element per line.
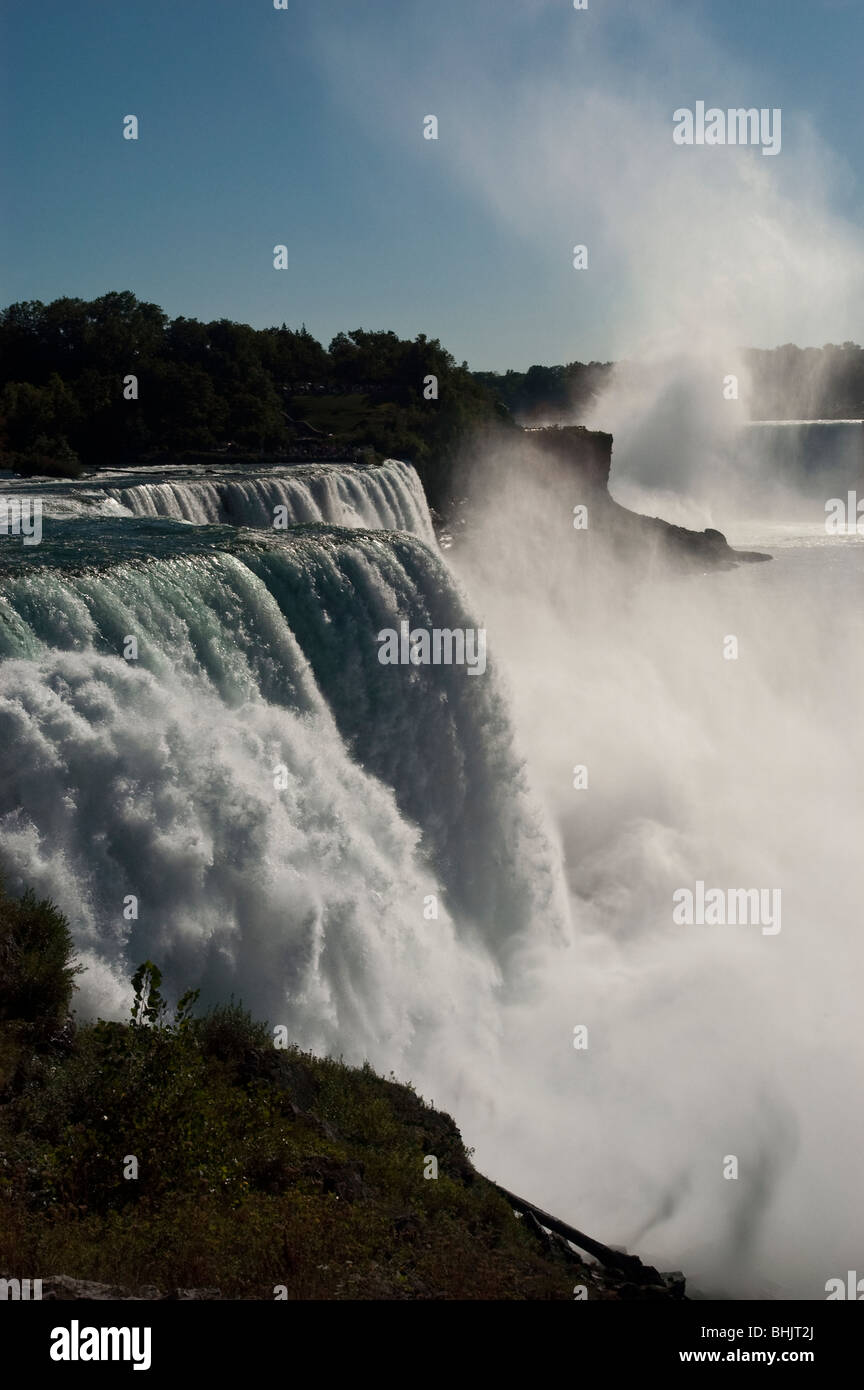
<point>352,848</point>
<point>389,497</point>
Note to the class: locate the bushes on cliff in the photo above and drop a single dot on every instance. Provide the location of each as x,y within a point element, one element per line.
<point>37,976</point>
<point>180,1151</point>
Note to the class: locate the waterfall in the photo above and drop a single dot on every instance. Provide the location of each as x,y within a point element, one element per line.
<point>351,847</point>
<point>389,497</point>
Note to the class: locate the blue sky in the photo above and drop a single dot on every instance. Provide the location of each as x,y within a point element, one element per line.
<point>304,127</point>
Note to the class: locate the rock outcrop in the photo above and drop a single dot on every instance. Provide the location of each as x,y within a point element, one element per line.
<point>633,537</point>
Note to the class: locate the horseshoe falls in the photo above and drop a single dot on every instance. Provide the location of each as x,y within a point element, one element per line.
<point>351,848</point>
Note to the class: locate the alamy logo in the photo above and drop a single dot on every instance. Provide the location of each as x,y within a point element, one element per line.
<point>738,126</point>
<point>845,518</point>
<point>21,1290</point>
<point>21,516</point>
<point>78,1343</point>
<point>719,907</point>
<point>849,1288</point>
<point>440,646</point>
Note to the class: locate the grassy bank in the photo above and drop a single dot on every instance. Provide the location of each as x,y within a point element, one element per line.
<point>178,1150</point>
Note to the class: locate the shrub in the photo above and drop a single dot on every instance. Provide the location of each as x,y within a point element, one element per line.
<point>37,976</point>
<point>229,1032</point>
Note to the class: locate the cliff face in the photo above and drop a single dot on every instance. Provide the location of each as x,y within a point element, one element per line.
<point>588,453</point>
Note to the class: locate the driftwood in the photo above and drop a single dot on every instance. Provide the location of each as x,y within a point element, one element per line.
<point>629,1265</point>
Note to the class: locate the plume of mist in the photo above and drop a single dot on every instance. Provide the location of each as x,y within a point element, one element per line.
<point>704,1041</point>
<point>559,126</point>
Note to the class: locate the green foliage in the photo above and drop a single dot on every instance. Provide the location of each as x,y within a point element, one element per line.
<point>219,386</point>
<point>786,382</point>
<point>229,1033</point>
<point>148,1006</point>
<point>545,395</point>
<point>37,976</point>
<point>256,1167</point>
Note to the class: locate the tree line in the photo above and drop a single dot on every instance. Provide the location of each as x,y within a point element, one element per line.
<point>114,381</point>
<point>542,395</point>
<point>111,381</point>
<point>782,383</point>
<point>793,383</point>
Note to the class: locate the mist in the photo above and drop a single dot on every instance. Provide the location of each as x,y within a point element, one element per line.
<point>704,1041</point>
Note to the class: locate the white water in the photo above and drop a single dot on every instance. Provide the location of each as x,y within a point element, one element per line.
<point>387,497</point>
<point>683,451</point>
<point>156,778</point>
<point>704,1041</point>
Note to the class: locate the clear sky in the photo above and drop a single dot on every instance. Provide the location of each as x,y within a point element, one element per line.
<point>304,127</point>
